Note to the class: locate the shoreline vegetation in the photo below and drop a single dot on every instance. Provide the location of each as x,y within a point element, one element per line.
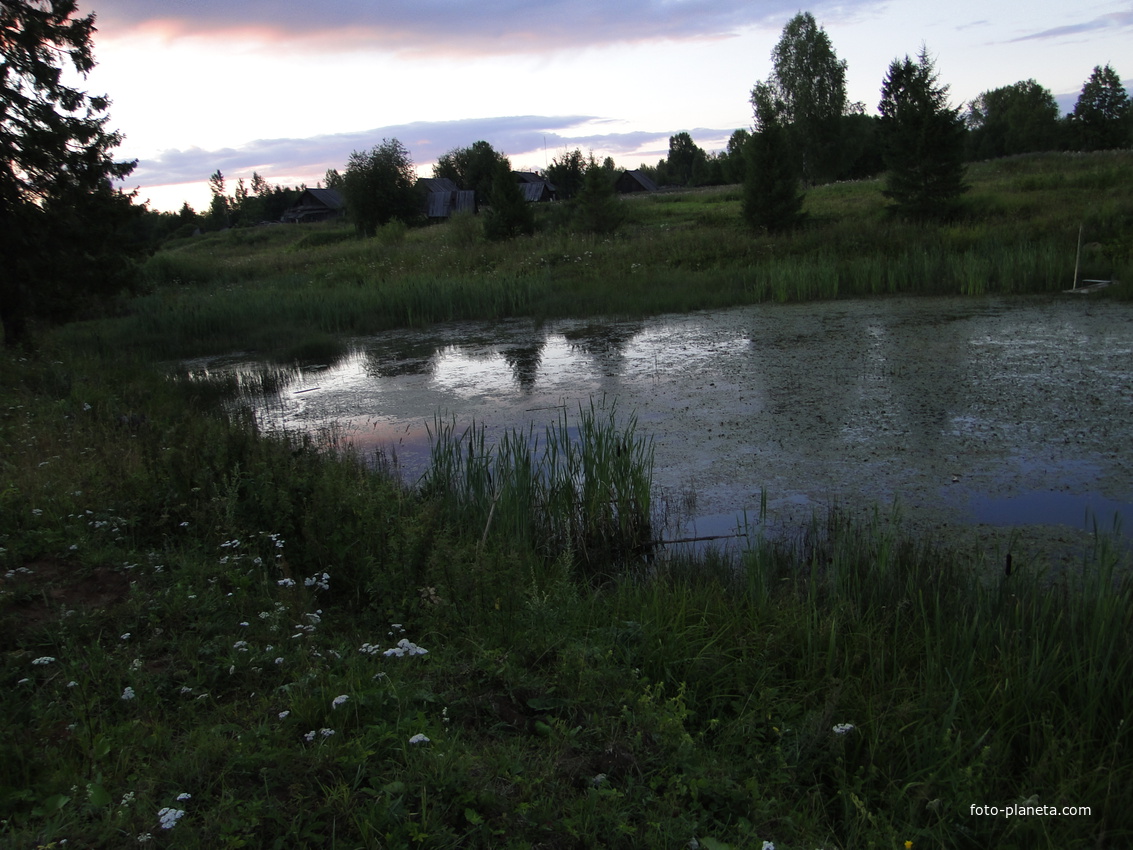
<point>215,637</point>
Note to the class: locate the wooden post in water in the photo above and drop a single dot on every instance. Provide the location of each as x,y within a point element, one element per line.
<point>1077,258</point>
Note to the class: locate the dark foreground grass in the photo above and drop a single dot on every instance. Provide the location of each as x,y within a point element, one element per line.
<point>270,289</point>
<point>216,638</point>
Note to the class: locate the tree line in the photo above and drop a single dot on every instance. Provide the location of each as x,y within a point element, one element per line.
<point>805,131</point>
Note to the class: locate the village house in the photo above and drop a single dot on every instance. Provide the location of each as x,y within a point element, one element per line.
<point>534,188</point>
<point>443,198</point>
<point>634,181</point>
<point>316,205</point>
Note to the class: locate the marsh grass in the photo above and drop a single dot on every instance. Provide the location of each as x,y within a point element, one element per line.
<point>584,493</point>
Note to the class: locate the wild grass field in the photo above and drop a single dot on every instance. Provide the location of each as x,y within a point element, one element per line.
<point>212,637</point>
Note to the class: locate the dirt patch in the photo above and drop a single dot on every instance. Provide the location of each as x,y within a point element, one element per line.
<point>46,590</point>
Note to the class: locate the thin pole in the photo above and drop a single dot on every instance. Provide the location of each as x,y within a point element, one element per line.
<point>1077,258</point>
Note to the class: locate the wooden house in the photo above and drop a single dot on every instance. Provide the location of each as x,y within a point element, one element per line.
<point>634,181</point>
<point>316,205</point>
<point>443,197</point>
<point>535,188</point>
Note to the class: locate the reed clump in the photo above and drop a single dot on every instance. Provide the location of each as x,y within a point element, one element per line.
<point>583,492</point>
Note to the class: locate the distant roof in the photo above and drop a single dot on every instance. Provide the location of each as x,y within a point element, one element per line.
<point>641,179</point>
<point>538,191</point>
<point>437,184</point>
<point>330,198</point>
<point>527,177</point>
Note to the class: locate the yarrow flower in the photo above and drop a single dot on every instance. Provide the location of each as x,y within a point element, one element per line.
<point>321,582</point>
<point>339,700</point>
<point>181,798</point>
<point>46,659</point>
<point>419,739</point>
<point>283,714</point>
<point>843,728</point>
<point>169,817</point>
<point>128,693</point>
<point>405,647</point>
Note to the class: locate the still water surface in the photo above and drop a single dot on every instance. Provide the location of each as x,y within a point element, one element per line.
<point>970,414</point>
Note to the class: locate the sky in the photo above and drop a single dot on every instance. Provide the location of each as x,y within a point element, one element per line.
<point>289,88</point>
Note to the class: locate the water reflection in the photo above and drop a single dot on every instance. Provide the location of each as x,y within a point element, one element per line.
<point>945,405</point>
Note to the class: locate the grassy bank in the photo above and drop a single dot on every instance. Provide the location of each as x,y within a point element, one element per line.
<point>213,638</point>
<point>274,289</point>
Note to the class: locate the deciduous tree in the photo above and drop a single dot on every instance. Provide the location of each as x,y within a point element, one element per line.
<point>379,186</point>
<point>65,242</point>
<point>568,172</point>
<point>1103,116</point>
<point>922,139</point>
<point>1014,119</point>
<point>472,168</point>
<point>809,80</point>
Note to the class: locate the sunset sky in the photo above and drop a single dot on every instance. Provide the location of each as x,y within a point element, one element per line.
<point>289,88</point>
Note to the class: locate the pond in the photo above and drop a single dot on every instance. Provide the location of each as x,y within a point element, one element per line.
<point>982,419</point>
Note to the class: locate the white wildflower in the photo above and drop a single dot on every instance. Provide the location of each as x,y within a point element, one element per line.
<point>286,582</point>
<point>283,714</point>
<point>169,817</point>
<point>843,728</point>
<point>405,647</point>
<point>339,700</point>
<point>419,739</point>
<point>128,693</point>
<point>181,798</point>
<point>42,660</point>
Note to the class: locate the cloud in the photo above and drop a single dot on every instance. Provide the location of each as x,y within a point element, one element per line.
<point>452,26</point>
<point>1112,21</point>
<point>307,159</point>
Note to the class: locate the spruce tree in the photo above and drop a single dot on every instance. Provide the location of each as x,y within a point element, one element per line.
<point>509,214</point>
<point>772,171</point>
<point>66,234</point>
<point>923,140</point>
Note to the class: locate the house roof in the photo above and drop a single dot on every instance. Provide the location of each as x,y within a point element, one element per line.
<point>329,198</point>
<point>437,184</point>
<point>527,177</point>
<point>535,192</point>
<point>641,179</point>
